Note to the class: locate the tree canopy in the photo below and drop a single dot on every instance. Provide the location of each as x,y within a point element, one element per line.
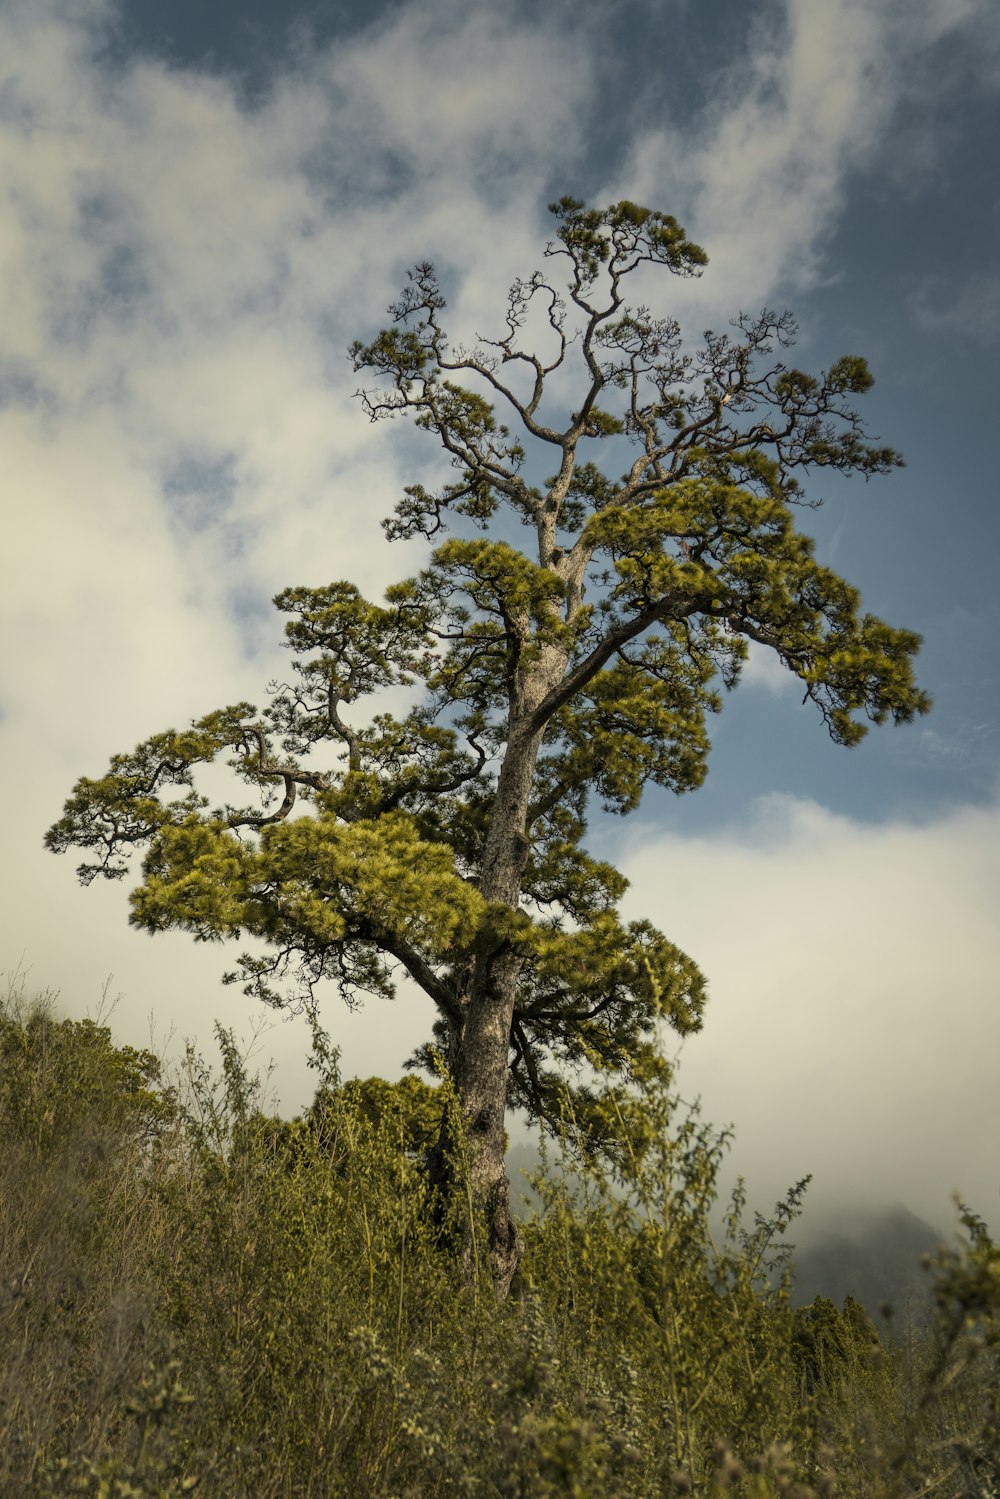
<point>564,644</point>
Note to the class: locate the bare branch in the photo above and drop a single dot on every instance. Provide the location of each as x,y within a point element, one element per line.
<point>279,816</point>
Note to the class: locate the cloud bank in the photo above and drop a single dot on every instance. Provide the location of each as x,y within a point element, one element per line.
<point>853,1023</point>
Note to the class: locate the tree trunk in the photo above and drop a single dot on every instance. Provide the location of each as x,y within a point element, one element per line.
<point>480,1046</point>
<point>480,1071</point>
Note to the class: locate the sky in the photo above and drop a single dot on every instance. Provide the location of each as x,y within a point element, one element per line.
<point>200,207</point>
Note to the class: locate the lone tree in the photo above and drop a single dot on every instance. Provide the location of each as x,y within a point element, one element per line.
<point>448,840</point>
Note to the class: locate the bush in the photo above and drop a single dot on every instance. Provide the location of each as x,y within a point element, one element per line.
<point>198,1297</point>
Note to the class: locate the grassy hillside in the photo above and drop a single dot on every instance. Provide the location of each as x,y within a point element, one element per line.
<point>197,1297</point>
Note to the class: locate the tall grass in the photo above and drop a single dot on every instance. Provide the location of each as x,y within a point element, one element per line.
<point>197,1297</point>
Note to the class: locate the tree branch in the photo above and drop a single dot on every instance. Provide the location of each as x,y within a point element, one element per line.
<point>577,679</point>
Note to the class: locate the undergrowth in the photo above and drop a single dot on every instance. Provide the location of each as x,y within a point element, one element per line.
<point>199,1298</point>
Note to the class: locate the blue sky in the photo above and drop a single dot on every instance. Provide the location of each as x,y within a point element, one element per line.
<point>202,205</point>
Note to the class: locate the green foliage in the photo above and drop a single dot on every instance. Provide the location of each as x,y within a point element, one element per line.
<point>256,1306</point>
<point>828,1342</point>
<point>60,1079</point>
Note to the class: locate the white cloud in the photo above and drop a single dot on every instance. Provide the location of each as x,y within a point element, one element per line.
<point>455,90</point>
<point>763,669</point>
<point>759,177</point>
<point>853,1025</point>
<point>763,174</point>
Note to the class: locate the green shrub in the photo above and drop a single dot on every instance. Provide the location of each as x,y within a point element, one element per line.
<point>198,1297</point>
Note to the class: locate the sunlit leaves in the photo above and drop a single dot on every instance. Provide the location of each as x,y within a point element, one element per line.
<point>640,720</point>
<point>197,876</point>
<point>502,582</point>
<point>311,883</point>
<point>124,808</point>
<point>623,235</point>
<point>358,646</point>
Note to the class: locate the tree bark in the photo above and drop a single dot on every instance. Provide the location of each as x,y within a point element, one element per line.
<point>480,1044</point>
<point>480,1072</point>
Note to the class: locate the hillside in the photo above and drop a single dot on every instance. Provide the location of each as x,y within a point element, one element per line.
<point>198,1296</point>
<point>874,1257</point>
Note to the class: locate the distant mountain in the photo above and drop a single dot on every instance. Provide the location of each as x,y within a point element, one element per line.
<point>874,1257</point>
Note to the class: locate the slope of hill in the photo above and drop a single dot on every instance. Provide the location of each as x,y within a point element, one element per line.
<point>873,1256</point>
